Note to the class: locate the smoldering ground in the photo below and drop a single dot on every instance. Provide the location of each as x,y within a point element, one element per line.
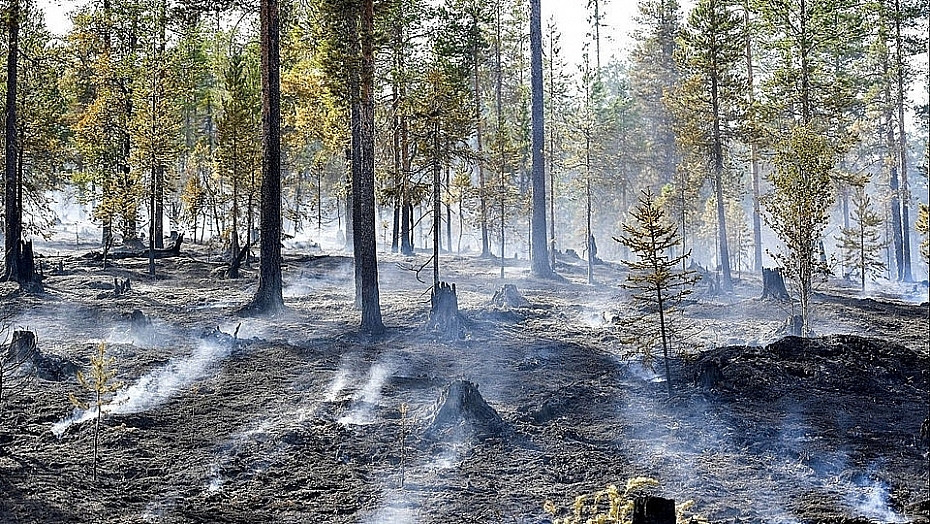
<point>266,432</point>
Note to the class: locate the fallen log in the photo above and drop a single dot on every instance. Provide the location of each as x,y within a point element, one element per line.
<point>172,251</point>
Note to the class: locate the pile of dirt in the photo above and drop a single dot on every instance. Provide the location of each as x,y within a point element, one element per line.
<point>794,365</point>
<point>462,406</point>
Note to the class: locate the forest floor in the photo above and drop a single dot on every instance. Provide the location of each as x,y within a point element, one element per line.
<point>302,419</point>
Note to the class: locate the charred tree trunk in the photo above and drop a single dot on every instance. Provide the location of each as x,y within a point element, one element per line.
<point>268,298</point>
<point>444,310</point>
<point>773,284</point>
<point>13,226</point>
<point>363,137</point>
<point>540,247</point>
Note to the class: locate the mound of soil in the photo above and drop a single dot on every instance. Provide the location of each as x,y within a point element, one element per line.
<point>794,365</point>
<point>461,404</point>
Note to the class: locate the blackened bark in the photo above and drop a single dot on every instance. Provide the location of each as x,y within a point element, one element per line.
<point>268,298</point>
<point>13,226</point>
<point>540,248</point>
<point>366,258</point>
<point>902,147</point>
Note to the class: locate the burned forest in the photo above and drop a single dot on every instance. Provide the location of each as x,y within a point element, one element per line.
<point>456,261</point>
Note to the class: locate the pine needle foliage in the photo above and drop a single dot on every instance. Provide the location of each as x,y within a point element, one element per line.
<point>798,208</point>
<point>655,278</point>
<point>613,505</point>
<point>923,227</point>
<point>101,384</point>
<point>862,243</point>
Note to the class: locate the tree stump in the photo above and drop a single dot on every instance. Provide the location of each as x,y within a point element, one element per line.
<point>461,403</point>
<point>444,310</point>
<point>653,510</point>
<point>773,284</point>
<point>22,347</point>
<point>509,296</point>
<point>709,374</point>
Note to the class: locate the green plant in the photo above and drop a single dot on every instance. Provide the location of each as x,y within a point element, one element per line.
<point>100,384</point>
<point>657,283</point>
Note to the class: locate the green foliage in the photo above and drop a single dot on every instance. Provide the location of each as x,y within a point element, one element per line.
<point>656,279</point>
<point>862,244</point>
<point>100,384</point>
<point>798,208</point>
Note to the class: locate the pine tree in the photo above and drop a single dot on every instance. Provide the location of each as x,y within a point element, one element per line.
<point>654,278</point>
<point>12,209</point>
<point>798,207</point>
<point>268,297</point>
<point>923,227</point>
<point>862,244</point>
<point>541,267</point>
<point>100,384</point>
<point>653,72</point>
<point>711,98</point>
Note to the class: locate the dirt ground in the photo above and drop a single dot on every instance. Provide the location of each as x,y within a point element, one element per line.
<point>300,418</point>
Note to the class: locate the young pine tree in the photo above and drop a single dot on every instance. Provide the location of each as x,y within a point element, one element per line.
<point>798,207</point>
<point>100,384</point>
<point>862,243</point>
<point>923,227</point>
<point>655,278</point>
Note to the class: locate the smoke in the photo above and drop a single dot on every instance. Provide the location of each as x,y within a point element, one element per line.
<point>366,399</point>
<point>339,383</point>
<point>158,386</point>
<point>868,497</point>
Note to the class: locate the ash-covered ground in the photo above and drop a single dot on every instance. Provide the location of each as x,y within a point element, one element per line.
<point>299,418</point>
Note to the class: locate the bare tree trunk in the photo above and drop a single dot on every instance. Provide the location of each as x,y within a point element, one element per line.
<point>902,149</point>
<point>753,154</point>
<point>366,257</point>
<point>268,298</point>
<point>13,226</point>
<point>540,263</point>
<point>718,179</point>
<point>482,202</point>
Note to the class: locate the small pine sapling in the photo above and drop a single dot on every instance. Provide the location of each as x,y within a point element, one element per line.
<point>862,244</point>
<point>101,385</point>
<point>657,281</point>
<point>798,208</point>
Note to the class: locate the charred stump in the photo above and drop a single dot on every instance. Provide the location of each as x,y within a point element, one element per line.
<point>120,288</point>
<point>22,347</point>
<point>509,296</point>
<point>444,310</point>
<point>232,272</point>
<point>654,510</point>
<point>773,284</point>
<point>709,374</point>
<point>462,405</point>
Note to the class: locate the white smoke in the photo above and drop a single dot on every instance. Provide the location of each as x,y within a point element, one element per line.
<point>365,399</point>
<point>156,387</point>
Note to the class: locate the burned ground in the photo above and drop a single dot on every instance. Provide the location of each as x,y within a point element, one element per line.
<point>302,419</point>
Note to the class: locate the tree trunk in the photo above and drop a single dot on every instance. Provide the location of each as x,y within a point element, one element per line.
<point>482,202</point>
<point>902,148</point>
<point>268,298</point>
<point>718,180</point>
<point>753,154</point>
<point>13,226</point>
<point>890,147</point>
<point>437,202</point>
<point>540,247</point>
<point>366,258</point>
